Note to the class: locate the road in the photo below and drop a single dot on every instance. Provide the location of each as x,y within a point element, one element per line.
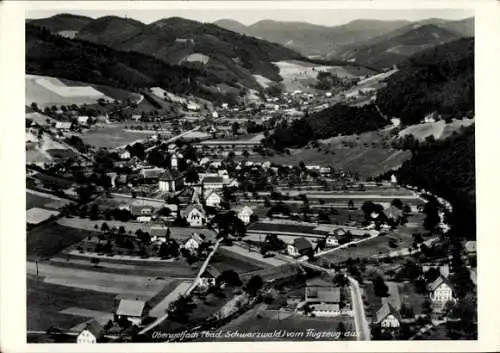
<point>194,284</point>
<point>362,327</point>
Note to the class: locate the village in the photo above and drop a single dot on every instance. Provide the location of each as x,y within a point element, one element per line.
<point>182,220</point>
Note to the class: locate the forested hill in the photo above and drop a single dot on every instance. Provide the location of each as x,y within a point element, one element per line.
<point>53,55</point>
<point>339,119</point>
<point>437,80</point>
<point>447,168</point>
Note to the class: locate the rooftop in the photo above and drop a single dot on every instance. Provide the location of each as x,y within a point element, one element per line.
<point>128,307</point>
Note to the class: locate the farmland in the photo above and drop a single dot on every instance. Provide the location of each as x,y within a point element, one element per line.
<point>367,162</point>
<point>48,240</point>
<point>46,301</point>
<point>110,136</point>
<point>38,200</point>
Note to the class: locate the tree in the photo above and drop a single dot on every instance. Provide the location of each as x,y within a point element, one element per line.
<point>192,176</point>
<point>340,280</point>
<point>350,205</point>
<point>104,227</point>
<point>397,203</point>
<point>253,285</point>
<point>95,261</point>
<point>380,288</point>
<point>230,277</point>
<point>235,127</point>
<point>307,308</point>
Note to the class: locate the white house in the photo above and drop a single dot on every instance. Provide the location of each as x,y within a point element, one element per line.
<point>213,182</point>
<point>170,181</point>
<point>91,334</point>
<point>82,120</point>
<point>213,199</point>
<point>332,241</point>
<point>388,317</point>
<point>440,291</point>
<point>326,310</point>
<point>124,155</point>
<point>133,310</point>
<point>193,243</point>
<point>245,213</point>
<point>63,125</point>
<point>298,247</point>
<point>195,215</point>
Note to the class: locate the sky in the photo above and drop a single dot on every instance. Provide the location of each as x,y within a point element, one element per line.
<point>326,17</point>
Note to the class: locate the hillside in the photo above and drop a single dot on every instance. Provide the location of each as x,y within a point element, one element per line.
<point>110,30</point>
<point>62,22</point>
<point>447,168</point>
<point>310,39</point>
<point>52,55</point>
<point>230,56</point>
<point>337,120</point>
<point>437,80</point>
<point>392,49</point>
<point>464,28</point>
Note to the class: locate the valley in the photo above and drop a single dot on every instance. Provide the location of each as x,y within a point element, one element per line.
<point>189,178</point>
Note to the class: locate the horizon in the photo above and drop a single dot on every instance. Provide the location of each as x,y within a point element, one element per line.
<point>251,17</point>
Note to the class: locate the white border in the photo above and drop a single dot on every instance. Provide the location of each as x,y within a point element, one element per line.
<point>12,202</point>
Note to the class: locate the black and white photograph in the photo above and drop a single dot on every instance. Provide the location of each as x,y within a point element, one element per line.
<point>267,175</point>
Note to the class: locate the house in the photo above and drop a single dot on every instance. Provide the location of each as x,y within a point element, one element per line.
<point>151,172</point>
<point>212,182</point>
<point>170,181</point>
<point>92,333</point>
<point>195,215</point>
<point>193,106</point>
<point>245,214</point>
<point>133,310</point>
<point>82,120</point>
<point>141,210</point>
<point>388,317</point>
<point>393,213</point>
<point>325,310</point>
<point>440,290</point>
<point>213,199</point>
<point>194,242</point>
<point>299,246</point>
<point>208,277</point>
<point>63,125</point>
<point>124,155</point>
<point>331,240</point>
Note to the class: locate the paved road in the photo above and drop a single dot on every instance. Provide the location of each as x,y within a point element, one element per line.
<point>362,327</point>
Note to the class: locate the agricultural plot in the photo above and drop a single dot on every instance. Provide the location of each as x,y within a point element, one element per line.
<point>38,200</point>
<point>367,162</point>
<point>49,240</point>
<point>111,136</point>
<point>47,303</point>
<point>48,91</point>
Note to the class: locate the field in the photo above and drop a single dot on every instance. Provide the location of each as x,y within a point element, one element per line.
<point>111,136</point>
<point>48,240</point>
<point>37,200</point>
<point>367,162</point>
<point>45,91</point>
<point>379,245</point>
<point>176,232</point>
<point>439,129</point>
<point>227,260</point>
<point>46,301</point>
